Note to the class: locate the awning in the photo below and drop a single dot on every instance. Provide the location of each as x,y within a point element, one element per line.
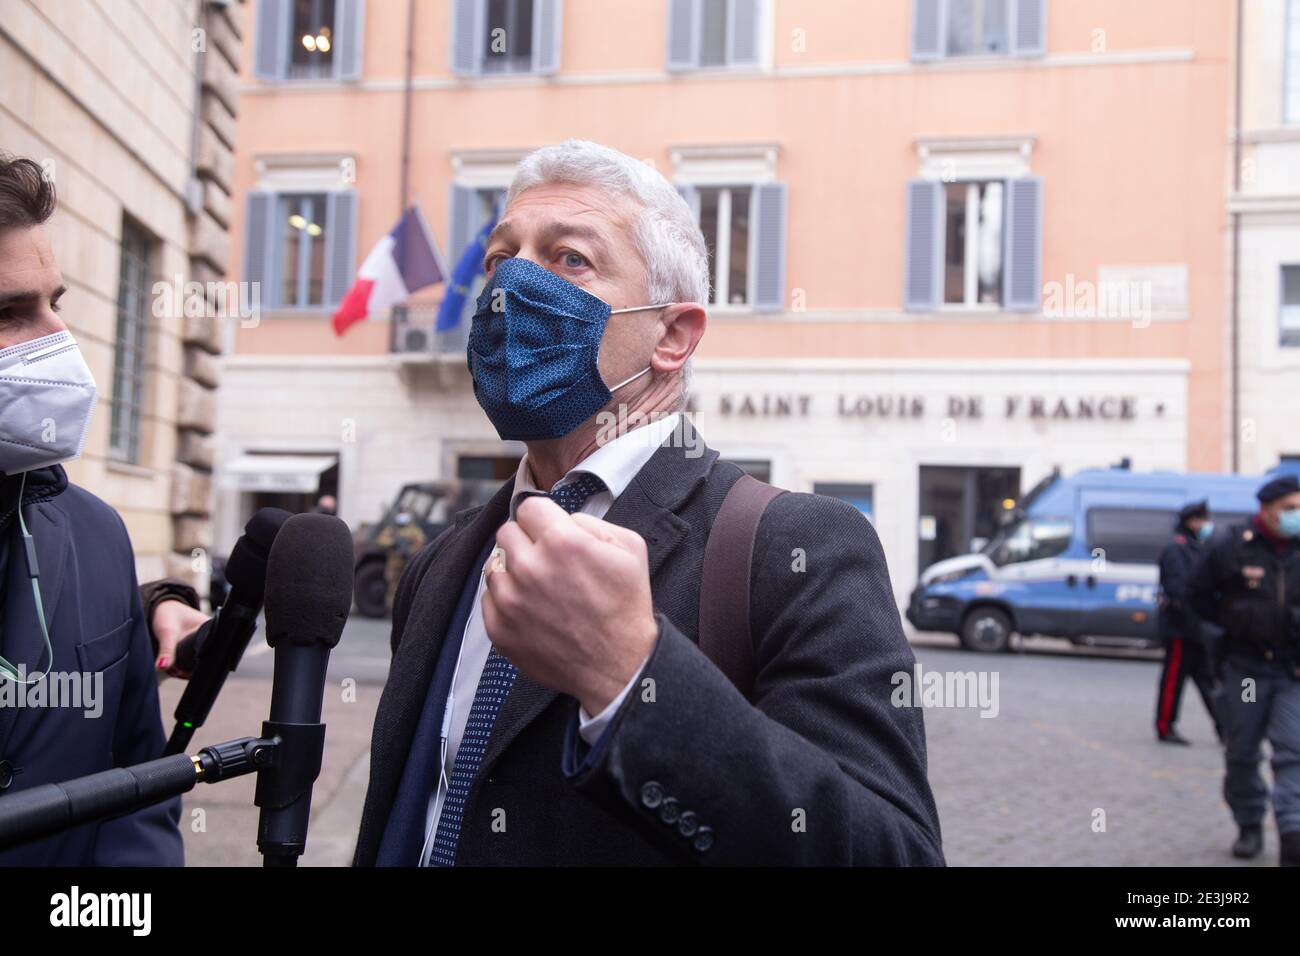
<point>290,473</point>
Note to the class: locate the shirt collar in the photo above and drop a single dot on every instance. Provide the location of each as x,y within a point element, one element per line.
<point>615,463</point>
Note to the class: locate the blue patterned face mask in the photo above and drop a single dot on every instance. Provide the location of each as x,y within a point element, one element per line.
<point>533,346</point>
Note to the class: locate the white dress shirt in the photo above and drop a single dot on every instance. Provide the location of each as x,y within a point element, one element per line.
<point>616,463</point>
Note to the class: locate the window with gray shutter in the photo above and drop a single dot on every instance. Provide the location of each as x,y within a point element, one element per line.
<point>506,36</point>
<point>271,43</point>
<point>959,28</point>
<point>742,33</point>
<point>1030,35</point>
<point>259,246</point>
<point>924,250</point>
<point>299,249</point>
<point>350,18</point>
<point>927,29</point>
<point>309,39</point>
<point>714,34</point>
<point>683,34</point>
<point>767,249</point>
<point>546,41</point>
<point>467,20</point>
<point>1023,266</point>
<point>341,245</point>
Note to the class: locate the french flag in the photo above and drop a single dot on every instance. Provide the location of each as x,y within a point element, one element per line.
<point>402,262</point>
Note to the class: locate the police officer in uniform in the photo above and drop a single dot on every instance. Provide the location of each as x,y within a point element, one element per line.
<point>1186,650</point>
<point>1249,583</point>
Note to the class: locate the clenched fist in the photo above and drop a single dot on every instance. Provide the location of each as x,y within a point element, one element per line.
<point>572,607</point>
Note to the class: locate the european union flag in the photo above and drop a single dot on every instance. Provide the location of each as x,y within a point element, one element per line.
<point>468,268</point>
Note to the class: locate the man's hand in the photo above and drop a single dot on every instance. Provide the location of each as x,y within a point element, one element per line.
<point>572,607</point>
<point>173,620</point>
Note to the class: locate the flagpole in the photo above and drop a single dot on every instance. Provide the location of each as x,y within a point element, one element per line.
<point>406,103</point>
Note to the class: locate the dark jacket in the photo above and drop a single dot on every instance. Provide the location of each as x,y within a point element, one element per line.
<point>97,627</point>
<point>1248,582</point>
<point>818,769</point>
<point>1177,619</point>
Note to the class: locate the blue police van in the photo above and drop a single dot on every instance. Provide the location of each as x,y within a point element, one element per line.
<point>1077,558</point>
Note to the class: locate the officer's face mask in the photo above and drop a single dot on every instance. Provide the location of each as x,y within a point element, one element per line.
<point>1205,530</point>
<point>48,394</point>
<point>1288,523</point>
<point>533,349</point>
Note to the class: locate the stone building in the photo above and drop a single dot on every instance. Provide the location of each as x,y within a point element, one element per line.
<point>130,106</point>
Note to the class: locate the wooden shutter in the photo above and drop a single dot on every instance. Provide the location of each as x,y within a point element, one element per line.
<point>341,245</point>
<point>928,22</point>
<point>548,18</point>
<point>259,250</point>
<point>349,32</point>
<point>768,249</point>
<point>467,24</point>
<point>1029,27</point>
<point>923,250</point>
<point>1022,266</point>
<point>683,34</point>
<point>271,44</point>
<point>743,40</point>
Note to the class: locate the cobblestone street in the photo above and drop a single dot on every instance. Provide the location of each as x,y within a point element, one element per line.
<point>1074,734</point>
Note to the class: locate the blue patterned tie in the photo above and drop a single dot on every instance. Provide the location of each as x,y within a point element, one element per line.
<point>493,686</point>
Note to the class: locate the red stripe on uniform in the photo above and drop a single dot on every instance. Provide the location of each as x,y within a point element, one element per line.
<point>1171,681</point>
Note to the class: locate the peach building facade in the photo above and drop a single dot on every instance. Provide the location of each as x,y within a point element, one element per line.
<point>956,243</point>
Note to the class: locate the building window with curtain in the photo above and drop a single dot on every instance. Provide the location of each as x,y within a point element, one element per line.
<point>133,297</point>
<point>303,222</point>
<point>744,227</point>
<point>311,40</point>
<point>308,40</point>
<point>715,34</point>
<point>493,37</point>
<point>973,243</point>
<point>954,29</point>
<point>508,41</point>
<point>978,27</point>
<point>724,220</point>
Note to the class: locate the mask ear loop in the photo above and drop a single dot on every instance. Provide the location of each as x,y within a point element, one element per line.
<point>33,571</point>
<point>636,308</point>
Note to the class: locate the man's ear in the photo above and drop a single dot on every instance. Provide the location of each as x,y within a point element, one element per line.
<point>684,324</point>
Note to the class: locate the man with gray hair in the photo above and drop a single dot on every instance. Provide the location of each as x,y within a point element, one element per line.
<point>549,701</point>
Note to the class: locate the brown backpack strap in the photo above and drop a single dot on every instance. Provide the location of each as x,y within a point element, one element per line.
<point>724,587</point>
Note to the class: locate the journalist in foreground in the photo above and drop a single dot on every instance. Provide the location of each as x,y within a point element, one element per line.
<point>78,690</point>
<point>549,700</point>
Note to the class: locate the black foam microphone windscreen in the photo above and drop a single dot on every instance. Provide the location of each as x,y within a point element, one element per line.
<point>309,581</point>
<point>246,566</point>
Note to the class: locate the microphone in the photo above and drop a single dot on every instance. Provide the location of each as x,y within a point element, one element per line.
<point>308,597</point>
<point>214,650</point>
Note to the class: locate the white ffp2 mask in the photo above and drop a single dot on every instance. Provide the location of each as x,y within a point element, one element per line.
<point>46,396</point>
